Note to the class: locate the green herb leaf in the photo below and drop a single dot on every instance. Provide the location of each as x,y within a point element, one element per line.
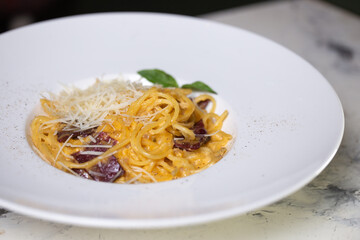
<point>199,86</point>
<point>158,77</point>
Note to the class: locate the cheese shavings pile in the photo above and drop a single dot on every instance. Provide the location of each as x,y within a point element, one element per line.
<point>81,109</point>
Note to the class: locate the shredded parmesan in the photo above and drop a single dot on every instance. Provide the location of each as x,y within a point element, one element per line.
<point>69,169</point>
<point>81,139</point>
<point>138,169</point>
<point>134,179</point>
<point>61,148</point>
<point>89,146</point>
<point>91,153</point>
<point>97,174</point>
<point>92,139</point>
<point>97,134</point>
<point>116,176</point>
<point>178,138</point>
<point>81,109</point>
<point>67,156</point>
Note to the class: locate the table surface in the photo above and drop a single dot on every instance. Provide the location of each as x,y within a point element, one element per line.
<point>329,206</point>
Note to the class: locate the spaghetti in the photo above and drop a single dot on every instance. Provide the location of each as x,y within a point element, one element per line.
<point>124,132</point>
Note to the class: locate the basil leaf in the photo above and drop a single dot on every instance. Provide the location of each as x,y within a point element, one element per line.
<point>199,86</point>
<point>159,77</point>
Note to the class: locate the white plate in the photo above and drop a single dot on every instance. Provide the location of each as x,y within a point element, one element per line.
<point>288,120</point>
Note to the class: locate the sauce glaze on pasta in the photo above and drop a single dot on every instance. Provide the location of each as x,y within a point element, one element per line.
<point>163,134</point>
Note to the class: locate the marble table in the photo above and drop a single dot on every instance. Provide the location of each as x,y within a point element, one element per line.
<point>329,206</point>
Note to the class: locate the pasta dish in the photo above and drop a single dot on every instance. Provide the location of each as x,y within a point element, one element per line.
<point>123,132</point>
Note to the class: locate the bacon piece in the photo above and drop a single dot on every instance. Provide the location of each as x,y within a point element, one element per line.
<point>187,145</point>
<point>191,145</point>
<point>199,131</point>
<point>203,104</point>
<point>82,158</point>
<point>199,128</point>
<point>62,136</point>
<point>103,172</point>
<point>106,170</point>
<point>101,139</point>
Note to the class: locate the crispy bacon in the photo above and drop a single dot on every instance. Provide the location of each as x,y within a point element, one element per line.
<point>101,139</point>
<point>82,158</point>
<point>199,131</point>
<point>106,170</point>
<point>189,145</point>
<point>203,104</point>
<point>199,128</point>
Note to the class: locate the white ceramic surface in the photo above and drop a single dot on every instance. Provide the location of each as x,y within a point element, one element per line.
<point>289,120</point>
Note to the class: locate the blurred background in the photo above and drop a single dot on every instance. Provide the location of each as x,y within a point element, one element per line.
<point>16,13</point>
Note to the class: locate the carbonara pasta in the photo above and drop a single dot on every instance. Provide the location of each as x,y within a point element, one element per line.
<point>123,132</point>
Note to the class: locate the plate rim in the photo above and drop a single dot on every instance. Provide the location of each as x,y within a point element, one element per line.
<point>182,220</point>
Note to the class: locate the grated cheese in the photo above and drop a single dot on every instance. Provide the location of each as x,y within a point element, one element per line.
<point>81,109</point>
<point>69,169</point>
<point>134,179</point>
<point>91,153</point>
<point>81,139</point>
<point>97,174</point>
<point>92,139</point>
<point>61,148</point>
<point>89,146</point>
<point>139,169</point>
